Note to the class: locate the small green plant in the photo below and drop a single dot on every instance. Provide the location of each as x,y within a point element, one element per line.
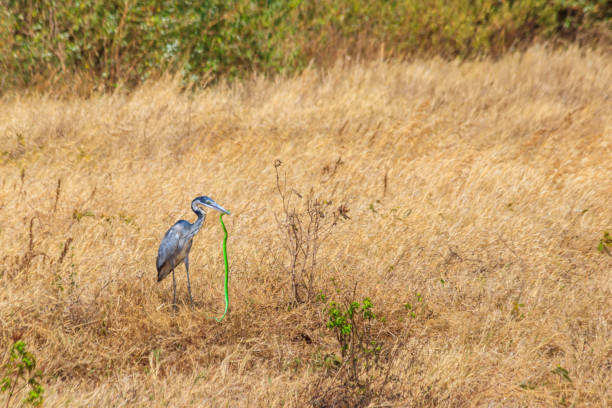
<point>604,242</point>
<point>20,372</point>
<point>363,363</point>
<point>416,307</point>
<point>352,325</point>
<point>562,372</point>
<point>408,307</point>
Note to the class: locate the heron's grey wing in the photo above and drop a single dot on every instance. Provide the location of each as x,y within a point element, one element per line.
<point>168,248</point>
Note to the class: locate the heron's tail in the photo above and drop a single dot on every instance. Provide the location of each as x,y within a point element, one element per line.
<point>162,272</point>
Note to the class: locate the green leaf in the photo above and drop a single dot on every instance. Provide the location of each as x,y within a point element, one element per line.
<point>6,384</point>
<point>562,372</point>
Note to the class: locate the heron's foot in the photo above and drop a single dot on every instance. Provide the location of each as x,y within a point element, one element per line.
<point>175,307</point>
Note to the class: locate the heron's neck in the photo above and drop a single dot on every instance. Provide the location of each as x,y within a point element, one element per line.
<point>195,227</point>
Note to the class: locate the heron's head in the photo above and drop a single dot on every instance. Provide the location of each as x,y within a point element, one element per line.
<point>208,202</point>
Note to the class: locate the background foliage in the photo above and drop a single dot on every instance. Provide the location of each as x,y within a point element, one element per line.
<point>123,42</point>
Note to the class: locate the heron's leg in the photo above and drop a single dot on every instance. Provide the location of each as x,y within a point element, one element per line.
<point>188,283</point>
<point>173,291</point>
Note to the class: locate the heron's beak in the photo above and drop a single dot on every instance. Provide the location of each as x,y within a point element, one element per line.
<point>217,207</point>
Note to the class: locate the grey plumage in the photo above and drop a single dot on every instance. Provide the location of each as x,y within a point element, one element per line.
<point>176,243</point>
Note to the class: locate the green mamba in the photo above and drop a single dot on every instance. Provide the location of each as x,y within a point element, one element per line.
<point>226,268</point>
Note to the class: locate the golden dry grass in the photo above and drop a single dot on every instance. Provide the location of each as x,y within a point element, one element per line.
<point>498,189</point>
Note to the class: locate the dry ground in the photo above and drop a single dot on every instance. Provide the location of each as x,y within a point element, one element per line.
<point>482,188</point>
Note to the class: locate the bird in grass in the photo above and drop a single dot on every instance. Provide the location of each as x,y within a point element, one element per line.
<point>176,244</point>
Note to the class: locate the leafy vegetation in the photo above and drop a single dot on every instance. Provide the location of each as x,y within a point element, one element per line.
<point>115,42</point>
<point>352,326</point>
<point>605,242</point>
<point>363,369</point>
<point>20,372</point>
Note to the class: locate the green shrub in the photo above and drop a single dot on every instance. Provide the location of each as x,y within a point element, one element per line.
<point>20,372</point>
<point>361,370</point>
<point>118,42</point>
<point>352,325</point>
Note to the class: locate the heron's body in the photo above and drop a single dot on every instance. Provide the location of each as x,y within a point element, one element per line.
<point>176,243</point>
<point>174,248</point>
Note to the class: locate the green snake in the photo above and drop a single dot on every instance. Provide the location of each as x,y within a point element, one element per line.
<point>226,268</point>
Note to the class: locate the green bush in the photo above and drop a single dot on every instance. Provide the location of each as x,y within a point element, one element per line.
<point>125,42</point>
<point>20,372</point>
<point>362,369</point>
<point>352,325</point>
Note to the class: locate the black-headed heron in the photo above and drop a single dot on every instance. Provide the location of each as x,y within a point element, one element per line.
<point>176,244</point>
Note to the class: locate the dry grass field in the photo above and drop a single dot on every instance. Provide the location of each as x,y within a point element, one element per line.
<point>476,194</point>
